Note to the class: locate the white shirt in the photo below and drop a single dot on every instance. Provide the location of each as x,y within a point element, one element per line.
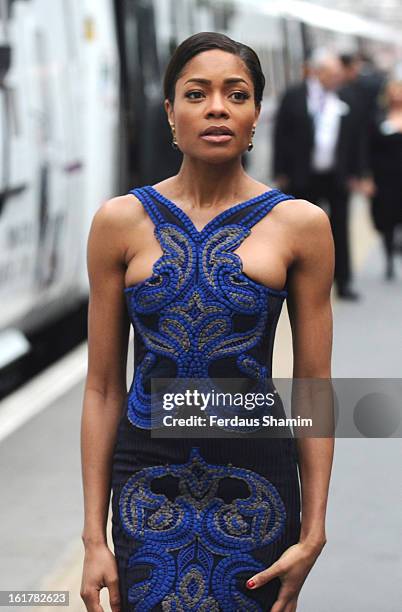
<point>326,109</point>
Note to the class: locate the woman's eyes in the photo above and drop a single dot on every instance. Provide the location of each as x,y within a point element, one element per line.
<point>243,95</point>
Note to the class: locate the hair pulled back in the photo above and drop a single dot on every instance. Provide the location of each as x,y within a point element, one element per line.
<point>204,41</point>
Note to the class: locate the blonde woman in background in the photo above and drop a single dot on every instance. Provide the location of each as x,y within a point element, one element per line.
<point>384,160</point>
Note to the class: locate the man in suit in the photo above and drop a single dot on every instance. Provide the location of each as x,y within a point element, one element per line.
<point>317,151</point>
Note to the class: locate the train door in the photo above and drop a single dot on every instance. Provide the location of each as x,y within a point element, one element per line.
<point>145,131</point>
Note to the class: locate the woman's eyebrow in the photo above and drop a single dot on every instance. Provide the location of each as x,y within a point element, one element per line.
<point>208,82</point>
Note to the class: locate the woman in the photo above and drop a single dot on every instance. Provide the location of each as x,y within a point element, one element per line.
<point>384,186</point>
<point>203,524</point>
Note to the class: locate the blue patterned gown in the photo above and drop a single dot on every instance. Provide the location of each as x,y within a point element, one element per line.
<point>194,518</point>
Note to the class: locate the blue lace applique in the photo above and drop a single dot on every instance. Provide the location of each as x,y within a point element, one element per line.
<point>193,548</point>
<point>196,290</point>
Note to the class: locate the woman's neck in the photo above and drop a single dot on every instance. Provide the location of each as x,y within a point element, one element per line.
<point>207,185</point>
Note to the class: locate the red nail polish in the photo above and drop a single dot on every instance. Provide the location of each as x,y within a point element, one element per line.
<point>250,583</point>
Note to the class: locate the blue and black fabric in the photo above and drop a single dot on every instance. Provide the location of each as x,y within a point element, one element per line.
<point>193,519</point>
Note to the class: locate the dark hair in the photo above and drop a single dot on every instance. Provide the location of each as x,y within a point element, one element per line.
<point>348,59</point>
<point>203,41</point>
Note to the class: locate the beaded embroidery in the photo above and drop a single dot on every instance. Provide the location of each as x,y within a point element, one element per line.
<point>196,288</point>
<point>195,546</point>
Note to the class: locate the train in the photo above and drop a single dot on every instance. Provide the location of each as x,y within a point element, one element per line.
<point>82,120</point>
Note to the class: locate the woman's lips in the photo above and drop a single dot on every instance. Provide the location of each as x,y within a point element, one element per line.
<point>217,137</point>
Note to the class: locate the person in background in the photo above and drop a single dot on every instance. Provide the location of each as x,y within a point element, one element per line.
<point>353,85</point>
<point>317,151</point>
<point>371,78</point>
<point>384,183</point>
<point>362,83</point>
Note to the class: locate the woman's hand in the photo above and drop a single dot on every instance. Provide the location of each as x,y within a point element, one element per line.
<point>292,567</point>
<point>99,570</point>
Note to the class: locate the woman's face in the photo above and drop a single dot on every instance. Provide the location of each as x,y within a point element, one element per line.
<point>224,97</point>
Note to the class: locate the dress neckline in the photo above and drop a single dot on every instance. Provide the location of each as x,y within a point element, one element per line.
<point>175,209</point>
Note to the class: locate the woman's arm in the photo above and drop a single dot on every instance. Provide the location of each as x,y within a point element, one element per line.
<point>105,392</point>
<point>310,280</point>
<point>310,315</point>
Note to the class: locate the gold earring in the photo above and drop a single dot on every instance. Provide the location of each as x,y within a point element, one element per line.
<point>174,141</point>
<point>250,145</point>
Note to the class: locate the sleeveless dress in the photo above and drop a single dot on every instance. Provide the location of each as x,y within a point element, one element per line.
<point>194,518</point>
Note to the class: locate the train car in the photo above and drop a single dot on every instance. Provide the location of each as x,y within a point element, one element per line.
<point>59,130</point>
<point>83,120</point>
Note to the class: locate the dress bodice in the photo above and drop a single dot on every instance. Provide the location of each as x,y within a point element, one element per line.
<point>199,315</point>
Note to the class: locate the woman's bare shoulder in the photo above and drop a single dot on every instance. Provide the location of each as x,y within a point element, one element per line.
<point>303,214</point>
<point>119,210</point>
<point>306,226</point>
<point>115,224</point>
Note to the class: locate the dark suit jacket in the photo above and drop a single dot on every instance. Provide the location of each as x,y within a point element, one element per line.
<point>294,140</point>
